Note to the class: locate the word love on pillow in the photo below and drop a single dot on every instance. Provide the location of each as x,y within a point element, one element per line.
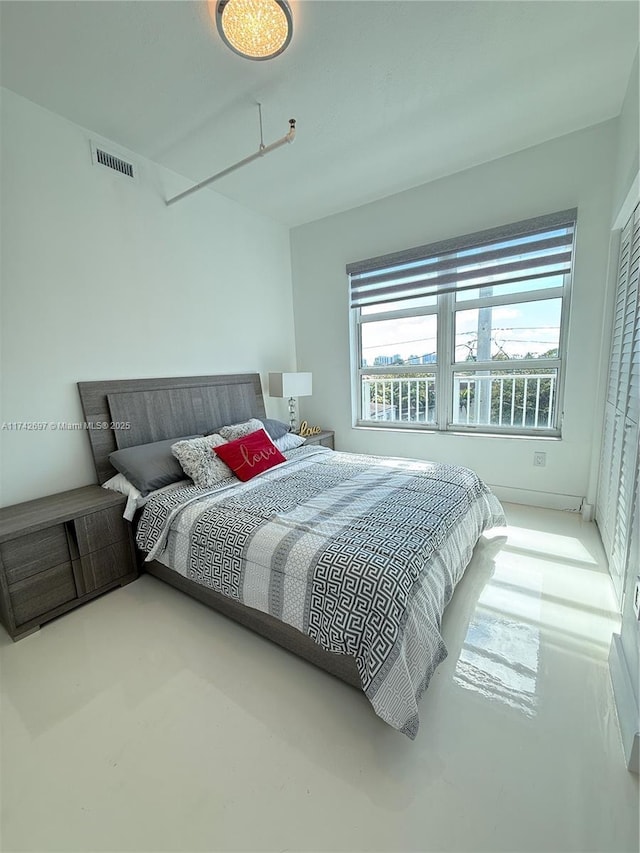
<point>250,455</point>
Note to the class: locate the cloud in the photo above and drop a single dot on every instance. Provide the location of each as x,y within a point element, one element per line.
<point>506,313</point>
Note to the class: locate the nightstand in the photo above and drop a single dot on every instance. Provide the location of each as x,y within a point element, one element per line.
<point>325,438</point>
<point>60,551</point>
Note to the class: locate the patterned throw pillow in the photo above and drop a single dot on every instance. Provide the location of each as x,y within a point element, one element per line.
<point>250,455</point>
<point>239,430</point>
<point>199,461</point>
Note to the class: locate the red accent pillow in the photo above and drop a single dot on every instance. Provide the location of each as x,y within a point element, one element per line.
<point>250,455</point>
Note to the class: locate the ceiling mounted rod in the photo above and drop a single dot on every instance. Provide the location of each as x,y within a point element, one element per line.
<point>262,150</point>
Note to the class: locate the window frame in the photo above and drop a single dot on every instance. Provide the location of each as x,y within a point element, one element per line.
<point>446,367</point>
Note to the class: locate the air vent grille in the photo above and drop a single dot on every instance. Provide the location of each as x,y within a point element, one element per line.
<point>111,162</point>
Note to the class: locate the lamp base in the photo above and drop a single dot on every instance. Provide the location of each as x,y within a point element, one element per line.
<point>292,414</point>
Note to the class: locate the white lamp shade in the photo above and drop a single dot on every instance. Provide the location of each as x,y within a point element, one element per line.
<point>290,385</point>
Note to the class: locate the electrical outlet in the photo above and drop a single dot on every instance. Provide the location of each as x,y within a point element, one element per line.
<point>539,459</point>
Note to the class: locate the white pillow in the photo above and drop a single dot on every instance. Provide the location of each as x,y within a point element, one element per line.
<point>199,462</point>
<point>234,431</point>
<point>289,442</point>
<point>119,483</point>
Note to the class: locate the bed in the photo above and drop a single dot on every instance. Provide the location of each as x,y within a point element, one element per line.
<point>346,560</point>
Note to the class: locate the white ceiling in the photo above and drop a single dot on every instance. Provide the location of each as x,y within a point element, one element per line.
<point>387,95</point>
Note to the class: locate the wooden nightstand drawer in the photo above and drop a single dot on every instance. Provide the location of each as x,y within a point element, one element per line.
<point>34,552</point>
<point>38,594</point>
<point>324,438</point>
<point>106,565</point>
<point>61,551</point>
<point>99,529</point>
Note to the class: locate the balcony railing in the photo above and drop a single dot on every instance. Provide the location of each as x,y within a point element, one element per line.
<point>519,400</point>
<point>402,399</point>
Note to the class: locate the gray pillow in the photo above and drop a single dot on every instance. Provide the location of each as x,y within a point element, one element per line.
<point>149,466</point>
<point>288,441</point>
<point>275,429</point>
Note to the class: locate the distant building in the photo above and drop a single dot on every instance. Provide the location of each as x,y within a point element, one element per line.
<point>396,358</point>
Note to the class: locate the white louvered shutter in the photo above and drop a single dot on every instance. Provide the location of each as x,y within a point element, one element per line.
<point>633,319</point>
<point>617,501</point>
<point>604,480</point>
<point>634,533</point>
<point>618,316</point>
<point>622,505</point>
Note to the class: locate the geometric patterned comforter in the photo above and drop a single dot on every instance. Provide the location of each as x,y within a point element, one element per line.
<point>360,553</point>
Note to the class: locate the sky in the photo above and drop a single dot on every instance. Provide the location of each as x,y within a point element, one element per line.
<point>529,327</point>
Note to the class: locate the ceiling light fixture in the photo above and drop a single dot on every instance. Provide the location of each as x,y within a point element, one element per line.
<point>255,29</point>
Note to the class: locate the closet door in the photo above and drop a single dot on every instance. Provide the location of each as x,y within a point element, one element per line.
<point>634,543</point>
<point>605,478</point>
<point>633,404</point>
<point>628,392</point>
<point>623,507</point>
<point>619,458</point>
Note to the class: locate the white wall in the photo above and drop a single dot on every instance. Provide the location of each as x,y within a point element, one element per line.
<point>572,171</point>
<point>101,280</point>
<point>628,155</point>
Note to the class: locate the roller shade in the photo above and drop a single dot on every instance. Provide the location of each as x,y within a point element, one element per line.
<point>533,249</point>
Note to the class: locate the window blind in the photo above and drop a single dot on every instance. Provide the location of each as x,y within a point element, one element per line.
<point>532,249</point>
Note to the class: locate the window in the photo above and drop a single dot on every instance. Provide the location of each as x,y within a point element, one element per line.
<point>467,334</point>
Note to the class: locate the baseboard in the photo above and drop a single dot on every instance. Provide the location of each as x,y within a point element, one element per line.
<point>588,511</point>
<point>626,705</point>
<point>528,497</point>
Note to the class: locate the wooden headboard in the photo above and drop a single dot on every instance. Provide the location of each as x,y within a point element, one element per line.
<point>155,409</point>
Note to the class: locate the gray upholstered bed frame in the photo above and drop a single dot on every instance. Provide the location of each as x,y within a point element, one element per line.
<point>156,409</point>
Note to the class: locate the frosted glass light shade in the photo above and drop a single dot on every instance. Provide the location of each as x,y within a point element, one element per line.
<point>255,29</point>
